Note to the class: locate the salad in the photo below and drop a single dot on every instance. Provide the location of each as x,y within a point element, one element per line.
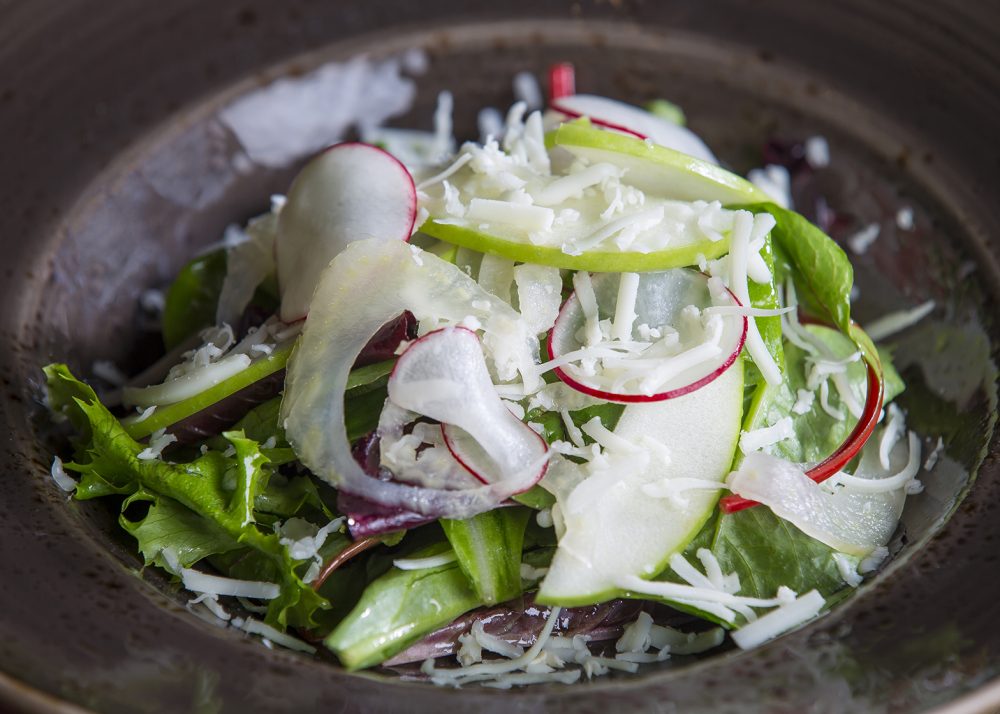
<point>566,401</point>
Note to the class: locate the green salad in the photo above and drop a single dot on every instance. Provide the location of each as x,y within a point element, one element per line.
<point>569,400</point>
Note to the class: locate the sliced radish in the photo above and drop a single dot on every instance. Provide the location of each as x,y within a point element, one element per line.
<point>473,457</point>
<point>443,376</point>
<point>415,452</point>
<point>349,192</point>
<point>562,81</point>
<point>645,337</point>
<point>346,313</point>
<point>633,120</point>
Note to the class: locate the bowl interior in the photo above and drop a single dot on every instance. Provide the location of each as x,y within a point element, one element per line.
<point>218,158</point>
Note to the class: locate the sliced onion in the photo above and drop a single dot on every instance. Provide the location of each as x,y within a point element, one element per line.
<point>660,298</point>
<point>345,313</point>
<point>632,120</point>
<point>850,520</point>
<point>443,376</point>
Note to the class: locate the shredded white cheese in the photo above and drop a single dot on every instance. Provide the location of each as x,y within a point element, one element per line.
<point>891,483</point>
<point>743,225</point>
<point>158,441</point>
<point>785,617</point>
<point>891,434</point>
<point>211,602</point>
<point>757,439</point>
<point>874,560</point>
<point>199,582</point>
<point>527,217</point>
<point>63,480</point>
<point>932,458</point>
<point>256,627</point>
<point>904,219</point>
<point>526,90</point>
<point>847,569</point>
<point>860,242</point>
<point>433,561</point>
<point>894,322</point>
<point>775,181</point>
<point>804,401</point>
<point>817,152</point>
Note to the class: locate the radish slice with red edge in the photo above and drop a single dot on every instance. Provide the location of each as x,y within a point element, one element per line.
<point>650,359</point>
<point>443,376</point>
<point>413,451</point>
<point>628,119</point>
<point>473,457</point>
<point>348,192</point>
<point>345,314</point>
<point>562,80</point>
<point>846,451</point>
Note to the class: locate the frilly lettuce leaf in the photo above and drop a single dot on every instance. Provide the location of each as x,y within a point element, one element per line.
<point>218,492</point>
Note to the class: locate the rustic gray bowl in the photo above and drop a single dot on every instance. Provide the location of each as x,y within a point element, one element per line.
<point>119,161</point>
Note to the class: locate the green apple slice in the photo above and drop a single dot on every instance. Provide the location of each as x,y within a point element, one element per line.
<point>520,249</point>
<point>656,169</point>
<point>672,234</point>
<point>613,527</point>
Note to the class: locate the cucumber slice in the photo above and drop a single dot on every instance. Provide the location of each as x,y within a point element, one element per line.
<point>623,531</point>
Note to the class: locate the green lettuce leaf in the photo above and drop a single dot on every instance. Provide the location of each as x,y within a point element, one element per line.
<point>489,548</point>
<point>192,298</point>
<point>817,434</point>
<point>400,607</point>
<point>220,490</point>
<point>821,270</point>
<point>765,295</point>
<point>169,524</point>
<point>768,552</point>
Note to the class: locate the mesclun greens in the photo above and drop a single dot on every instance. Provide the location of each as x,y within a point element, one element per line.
<point>241,504</point>
<point>219,491</point>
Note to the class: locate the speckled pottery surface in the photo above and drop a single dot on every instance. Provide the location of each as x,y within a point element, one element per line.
<point>126,146</point>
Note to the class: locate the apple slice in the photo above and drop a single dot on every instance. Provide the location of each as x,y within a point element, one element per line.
<point>668,225</point>
<point>614,528</point>
<point>679,254</point>
<point>633,120</point>
<point>349,192</point>
<point>657,169</point>
<point>607,323</point>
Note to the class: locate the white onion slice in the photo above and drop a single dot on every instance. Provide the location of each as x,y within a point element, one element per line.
<point>345,313</point>
<point>655,300</point>
<point>612,113</point>
<point>850,520</point>
<point>443,376</point>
